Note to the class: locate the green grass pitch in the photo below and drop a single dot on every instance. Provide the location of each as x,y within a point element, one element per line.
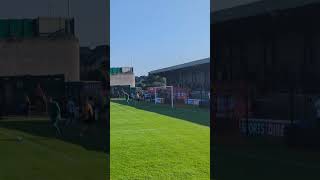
<point>156,142</point>
<point>42,156</point>
<point>264,159</point>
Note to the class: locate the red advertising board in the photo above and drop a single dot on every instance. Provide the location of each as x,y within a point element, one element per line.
<point>231,97</point>
<point>179,93</point>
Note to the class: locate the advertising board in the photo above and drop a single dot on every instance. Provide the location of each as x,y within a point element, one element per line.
<point>264,127</point>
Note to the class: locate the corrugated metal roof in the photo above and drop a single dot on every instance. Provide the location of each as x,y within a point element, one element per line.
<point>226,4</point>
<point>180,66</point>
<point>257,8</point>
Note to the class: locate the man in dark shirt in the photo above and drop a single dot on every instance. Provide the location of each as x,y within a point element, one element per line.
<point>27,106</point>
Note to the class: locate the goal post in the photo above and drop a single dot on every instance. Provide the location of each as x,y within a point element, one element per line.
<point>163,87</point>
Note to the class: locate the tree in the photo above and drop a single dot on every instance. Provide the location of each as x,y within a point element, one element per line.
<point>140,81</point>
<point>150,81</point>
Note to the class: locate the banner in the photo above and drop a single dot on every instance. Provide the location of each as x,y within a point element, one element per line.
<point>181,93</point>
<point>264,127</point>
<point>160,100</point>
<point>193,101</point>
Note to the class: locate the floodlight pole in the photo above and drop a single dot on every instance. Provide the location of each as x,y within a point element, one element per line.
<point>172,96</point>
<point>68,8</point>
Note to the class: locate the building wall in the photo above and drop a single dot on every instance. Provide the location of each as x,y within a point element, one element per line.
<point>50,25</point>
<point>122,79</point>
<point>40,56</point>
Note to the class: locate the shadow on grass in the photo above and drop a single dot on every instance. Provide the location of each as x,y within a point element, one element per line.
<point>184,112</point>
<point>261,158</point>
<point>95,140</point>
<point>10,140</point>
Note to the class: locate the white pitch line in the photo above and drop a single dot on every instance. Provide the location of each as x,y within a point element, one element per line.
<point>135,130</point>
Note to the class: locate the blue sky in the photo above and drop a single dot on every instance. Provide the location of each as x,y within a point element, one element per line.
<point>153,34</point>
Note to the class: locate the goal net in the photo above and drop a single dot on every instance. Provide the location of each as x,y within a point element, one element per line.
<point>162,95</point>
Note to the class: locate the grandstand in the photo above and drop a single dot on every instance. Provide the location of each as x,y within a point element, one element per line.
<point>192,78</point>
<point>265,74</point>
<point>268,49</point>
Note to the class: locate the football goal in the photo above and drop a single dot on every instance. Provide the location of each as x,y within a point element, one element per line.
<point>163,95</point>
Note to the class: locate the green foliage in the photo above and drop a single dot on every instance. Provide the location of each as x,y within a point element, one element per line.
<point>150,81</point>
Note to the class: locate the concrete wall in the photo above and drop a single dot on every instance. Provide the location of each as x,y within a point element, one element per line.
<point>50,24</point>
<point>40,57</point>
<point>122,79</point>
